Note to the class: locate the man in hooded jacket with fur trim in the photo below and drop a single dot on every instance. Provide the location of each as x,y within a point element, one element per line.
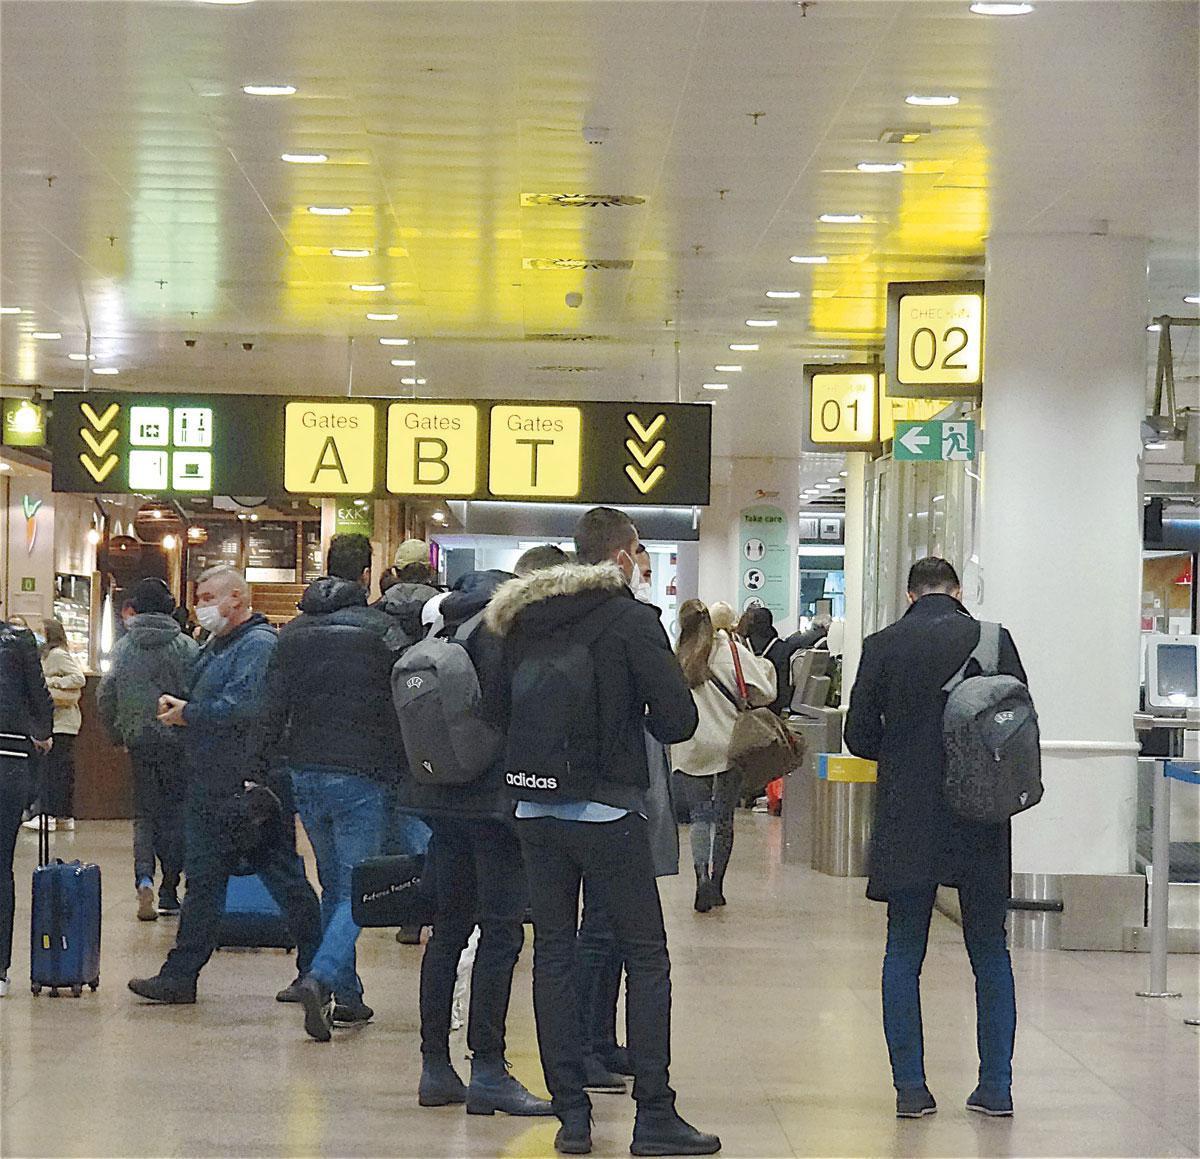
<point>586,669</point>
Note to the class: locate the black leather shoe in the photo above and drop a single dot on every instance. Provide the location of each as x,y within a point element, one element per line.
<point>996,1103</point>
<point>352,1013</point>
<point>291,992</point>
<point>597,1077</point>
<point>493,1089</point>
<point>440,1085</point>
<point>168,991</point>
<point>662,1131</point>
<point>575,1135</point>
<point>318,1008</point>
<point>915,1103</point>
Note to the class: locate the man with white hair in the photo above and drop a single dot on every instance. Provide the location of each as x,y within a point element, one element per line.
<point>229,825</point>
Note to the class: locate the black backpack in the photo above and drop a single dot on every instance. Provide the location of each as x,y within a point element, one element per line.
<point>555,752</point>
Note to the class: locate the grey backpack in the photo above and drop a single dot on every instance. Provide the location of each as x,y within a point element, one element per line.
<point>992,743</point>
<point>436,693</point>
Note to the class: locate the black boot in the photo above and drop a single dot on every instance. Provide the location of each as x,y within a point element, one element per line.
<point>717,888</point>
<point>704,900</point>
<point>575,1135</point>
<point>493,1089</point>
<point>659,1130</point>
<point>317,1001</point>
<point>440,1085</point>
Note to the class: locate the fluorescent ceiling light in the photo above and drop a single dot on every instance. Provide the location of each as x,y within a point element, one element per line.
<point>268,90</point>
<point>304,158</point>
<point>762,321</point>
<point>809,259</point>
<point>1157,445</point>
<point>980,8</point>
<point>716,386</point>
<point>1153,328</point>
<point>47,335</point>
<point>82,357</point>
<point>727,368</point>
<point>341,253</point>
<point>17,309</point>
<point>841,218</point>
<point>833,479</point>
<point>784,294</point>
<point>106,370</point>
<point>823,486</point>
<point>386,318</point>
<point>932,101</point>
<point>743,346</point>
<point>329,210</point>
<point>391,341</point>
<point>1190,299</point>
<point>843,474</point>
<point>404,362</point>
<point>368,287</point>
<point>412,382</point>
<point>880,167</point>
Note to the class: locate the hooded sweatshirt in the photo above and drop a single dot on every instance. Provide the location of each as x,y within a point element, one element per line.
<point>328,699</point>
<point>638,679</point>
<point>403,603</point>
<point>153,657</point>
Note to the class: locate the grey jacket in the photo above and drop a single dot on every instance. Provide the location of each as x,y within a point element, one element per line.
<point>153,657</point>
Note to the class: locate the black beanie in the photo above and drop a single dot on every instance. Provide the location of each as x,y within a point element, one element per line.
<point>151,595</point>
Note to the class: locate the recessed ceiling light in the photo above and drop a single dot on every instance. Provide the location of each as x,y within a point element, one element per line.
<point>304,158</point>
<point>412,382</point>
<point>931,100</point>
<point>832,479</point>
<point>391,341</point>
<point>841,218</point>
<point>341,253</point>
<point>47,335</point>
<point>368,287</point>
<point>404,362</point>
<point>385,318</point>
<point>329,210</point>
<point>808,260</point>
<point>82,357</point>
<point>438,517</point>
<point>1190,299</point>
<point>823,486</point>
<point>726,368</point>
<point>1153,328</point>
<point>980,8</point>
<point>268,90</point>
<point>106,370</point>
<point>843,474</point>
<point>17,309</point>
<point>743,346</point>
<point>716,386</point>
<point>784,294</point>
<point>880,167</point>
<point>762,321</point>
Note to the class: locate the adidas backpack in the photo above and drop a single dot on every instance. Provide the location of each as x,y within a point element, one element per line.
<point>435,689</point>
<point>991,738</point>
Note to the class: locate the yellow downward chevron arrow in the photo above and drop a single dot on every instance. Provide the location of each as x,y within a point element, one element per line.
<point>645,458</point>
<point>99,446</point>
<point>645,433</point>
<point>100,421</point>
<point>103,470</point>
<point>647,483</point>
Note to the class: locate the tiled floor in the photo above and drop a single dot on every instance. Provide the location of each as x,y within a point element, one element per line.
<point>777,1043</point>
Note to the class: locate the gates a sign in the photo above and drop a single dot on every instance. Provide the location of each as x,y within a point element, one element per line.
<point>589,452</point>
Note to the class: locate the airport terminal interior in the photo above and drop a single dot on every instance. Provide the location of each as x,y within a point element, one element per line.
<point>811,291</point>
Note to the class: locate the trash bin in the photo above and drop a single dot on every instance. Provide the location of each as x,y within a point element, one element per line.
<point>843,813</point>
<point>820,730</point>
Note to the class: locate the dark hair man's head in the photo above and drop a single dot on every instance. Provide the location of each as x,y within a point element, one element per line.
<point>538,558</point>
<point>150,595</point>
<point>350,558</point>
<point>605,534</point>
<point>415,573</point>
<point>932,576</point>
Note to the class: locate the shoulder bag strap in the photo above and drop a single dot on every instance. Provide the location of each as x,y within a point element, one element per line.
<point>725,693</point>
<point>986,654</point>
<point>742,690</point>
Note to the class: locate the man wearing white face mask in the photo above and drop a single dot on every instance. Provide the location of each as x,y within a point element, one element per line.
<point>220,725</point>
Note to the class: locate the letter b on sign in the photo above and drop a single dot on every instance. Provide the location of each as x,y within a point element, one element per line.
<point>329,448</point>
<point>432,449</point>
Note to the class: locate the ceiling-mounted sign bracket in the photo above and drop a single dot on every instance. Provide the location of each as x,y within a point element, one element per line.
<point>935,339</point>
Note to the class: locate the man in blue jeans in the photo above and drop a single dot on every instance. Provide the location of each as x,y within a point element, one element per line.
<point>895,718</point>
<point>328,704</point>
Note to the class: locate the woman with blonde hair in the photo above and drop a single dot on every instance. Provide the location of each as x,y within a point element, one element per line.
<point>707,657</point>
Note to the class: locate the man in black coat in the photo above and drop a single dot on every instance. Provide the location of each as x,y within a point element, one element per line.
<point>895,718</point>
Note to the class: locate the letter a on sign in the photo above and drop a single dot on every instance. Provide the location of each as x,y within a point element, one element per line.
<point>329,448</point>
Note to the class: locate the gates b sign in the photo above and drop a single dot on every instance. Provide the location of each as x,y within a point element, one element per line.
<point>433,448</point>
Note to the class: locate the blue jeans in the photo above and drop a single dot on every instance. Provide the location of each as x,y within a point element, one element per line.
<point>344,816</point>
<point>405,835</point>
<point>983,914</point>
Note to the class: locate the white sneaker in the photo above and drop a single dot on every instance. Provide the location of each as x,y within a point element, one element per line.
<point>32,823</point>
<point>3,985</point>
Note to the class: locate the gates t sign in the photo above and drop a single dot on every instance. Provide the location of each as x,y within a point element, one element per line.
<point>222,444</point>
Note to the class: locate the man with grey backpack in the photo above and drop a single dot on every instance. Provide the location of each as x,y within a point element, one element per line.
<point>941,703</point>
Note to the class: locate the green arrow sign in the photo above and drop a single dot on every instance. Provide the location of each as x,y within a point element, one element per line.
<point>935,441</point>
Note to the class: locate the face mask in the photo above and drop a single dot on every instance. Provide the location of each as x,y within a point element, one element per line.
<point>637,585</point>
<point>209,617</point>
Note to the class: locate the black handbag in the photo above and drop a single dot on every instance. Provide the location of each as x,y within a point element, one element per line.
<point>387,891</point>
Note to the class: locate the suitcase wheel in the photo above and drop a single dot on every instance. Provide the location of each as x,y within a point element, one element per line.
<point>95,985</point>
<point>36,987</point>
<point>53,991</point>
<point>76,991</point>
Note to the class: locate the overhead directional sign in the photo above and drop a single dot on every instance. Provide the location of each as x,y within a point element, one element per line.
<point>843,406</point>
<point>934,345</point>
<point>592,452</point>
<point>935,441</point>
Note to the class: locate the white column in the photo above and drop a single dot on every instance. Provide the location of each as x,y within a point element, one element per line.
<point>1064,392</point>
<point>856,545</point>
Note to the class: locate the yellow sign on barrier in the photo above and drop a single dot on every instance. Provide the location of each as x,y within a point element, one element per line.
<point>835,767</point>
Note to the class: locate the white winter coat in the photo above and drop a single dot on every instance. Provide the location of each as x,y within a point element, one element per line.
<point>707,752</point>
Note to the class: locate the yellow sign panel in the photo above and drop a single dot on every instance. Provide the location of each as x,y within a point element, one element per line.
<point>535,451</point>
<point>940,339</point>
<point>843,408</point>
<point>432,448</point>
<point>329,448</point>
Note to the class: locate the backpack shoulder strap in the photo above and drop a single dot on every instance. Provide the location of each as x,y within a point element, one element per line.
<point>986,654</point>
<point>468,626</point>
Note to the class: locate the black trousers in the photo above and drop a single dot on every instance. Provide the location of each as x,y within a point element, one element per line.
<point>210,860</point>
<point>599,965</point>
<point>612,861</point>
<point>58,765</point>
<point>14,796</point>
<point>159,795</point>
<point>479,879</point>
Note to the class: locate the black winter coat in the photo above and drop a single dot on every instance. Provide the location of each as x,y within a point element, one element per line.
<point>26,708</point>
<point>635,667</point>
<point>895,718</point>
<point>328,698</point>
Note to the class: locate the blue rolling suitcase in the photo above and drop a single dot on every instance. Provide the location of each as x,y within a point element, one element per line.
<point>251,919</point>
<point>64,924</point>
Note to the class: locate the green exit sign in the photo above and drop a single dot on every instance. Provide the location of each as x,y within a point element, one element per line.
<point>935,441</point>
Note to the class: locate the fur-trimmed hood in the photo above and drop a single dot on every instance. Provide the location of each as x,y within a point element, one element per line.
<point>566,592</point>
